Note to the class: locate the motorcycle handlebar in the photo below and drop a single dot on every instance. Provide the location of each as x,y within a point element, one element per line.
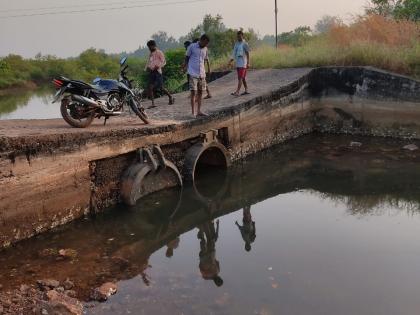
<point>123,70</point>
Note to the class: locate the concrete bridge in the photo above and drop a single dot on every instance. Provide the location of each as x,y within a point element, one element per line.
<point>51,174</point>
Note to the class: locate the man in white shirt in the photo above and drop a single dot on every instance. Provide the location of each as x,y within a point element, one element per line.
<point>195,60</point>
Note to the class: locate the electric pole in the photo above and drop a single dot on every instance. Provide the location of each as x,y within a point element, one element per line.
<point>275,13</point>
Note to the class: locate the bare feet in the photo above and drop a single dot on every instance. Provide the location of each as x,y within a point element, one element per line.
<point>208,97</point>
<point>201,114</point>
<point>235,94</point>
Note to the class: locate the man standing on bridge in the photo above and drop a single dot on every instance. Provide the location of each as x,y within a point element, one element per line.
<point>154,66</point>
<point>186,45</point>
<point>195,59</point>
<point>241,57</point>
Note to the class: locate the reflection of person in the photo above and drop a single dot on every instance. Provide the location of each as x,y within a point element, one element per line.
<point>248,228</point>
<point>209,266</point>
<point>171,246</point>
<point>154,66</point>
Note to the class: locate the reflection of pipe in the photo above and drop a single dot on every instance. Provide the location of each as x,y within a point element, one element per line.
<point>208,201</point>
<point>173,213</point>
<point>178,205</point>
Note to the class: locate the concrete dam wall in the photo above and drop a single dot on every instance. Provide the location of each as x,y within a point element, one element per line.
<point>51,174</point>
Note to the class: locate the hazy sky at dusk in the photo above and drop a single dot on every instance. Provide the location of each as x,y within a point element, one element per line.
<point>124,30</point>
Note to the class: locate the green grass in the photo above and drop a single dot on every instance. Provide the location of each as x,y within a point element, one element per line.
<point>319,52</point>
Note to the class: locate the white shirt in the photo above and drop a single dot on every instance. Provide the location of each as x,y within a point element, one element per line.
<point>197,57</point>
<point>239,54</point>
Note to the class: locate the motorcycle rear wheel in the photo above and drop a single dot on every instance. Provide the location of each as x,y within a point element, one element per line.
<point>74,121</point>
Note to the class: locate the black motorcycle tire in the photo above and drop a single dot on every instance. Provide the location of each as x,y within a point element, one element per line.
<point>139,111</point>
<point>76,123</point>
<point>143,116</point>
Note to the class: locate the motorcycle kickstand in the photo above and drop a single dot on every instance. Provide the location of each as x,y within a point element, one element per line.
<point>106,118</point>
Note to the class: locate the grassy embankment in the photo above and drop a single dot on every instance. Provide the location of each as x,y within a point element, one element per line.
<point>370,41</point>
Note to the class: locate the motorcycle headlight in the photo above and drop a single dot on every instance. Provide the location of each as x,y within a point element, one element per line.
<point>138,91</point>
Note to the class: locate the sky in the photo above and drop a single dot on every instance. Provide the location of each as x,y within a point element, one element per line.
<point>67,35</point>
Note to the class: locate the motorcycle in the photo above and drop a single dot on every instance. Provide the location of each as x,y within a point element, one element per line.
<point>81,102</point>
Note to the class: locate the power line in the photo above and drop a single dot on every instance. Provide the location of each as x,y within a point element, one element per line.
<point>99,9</point>
<point>79,5</point>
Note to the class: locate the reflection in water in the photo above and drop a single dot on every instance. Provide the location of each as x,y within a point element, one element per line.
<point>171,246</point>
<point>337,234</point>
<point>28,105</point>
<point>247,229</point>
<point>209,265</point>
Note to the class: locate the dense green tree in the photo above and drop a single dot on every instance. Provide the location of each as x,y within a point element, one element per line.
<point>163,41</point>
<point>297,37</point>
<point>222,38</point>
<point>408,9</point>
<point>401,9</point>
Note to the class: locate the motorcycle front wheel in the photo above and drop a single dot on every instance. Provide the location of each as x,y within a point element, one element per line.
<point>75,114</point>
<point>143,116</point>
<point>139,110</point>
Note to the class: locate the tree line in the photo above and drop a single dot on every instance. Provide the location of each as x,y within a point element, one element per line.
<point>15,71</point>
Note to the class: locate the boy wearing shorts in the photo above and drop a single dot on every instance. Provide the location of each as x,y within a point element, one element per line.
<point>241,57</point>
<point>195,60</point>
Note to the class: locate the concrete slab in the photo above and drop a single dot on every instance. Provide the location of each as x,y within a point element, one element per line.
<point>261,82</point>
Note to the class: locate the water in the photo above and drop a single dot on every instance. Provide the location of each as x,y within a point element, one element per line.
<point>336,232</point>
<point>29,105</point>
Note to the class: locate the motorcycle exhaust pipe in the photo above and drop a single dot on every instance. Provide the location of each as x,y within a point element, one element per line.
<point>84,100</point>
<point>114,114</point>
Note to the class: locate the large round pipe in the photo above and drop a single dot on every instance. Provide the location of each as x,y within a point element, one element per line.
<point>197,152</point>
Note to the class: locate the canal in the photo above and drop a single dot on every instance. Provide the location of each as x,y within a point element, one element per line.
<point>320,225</point>
<point>29,104</point>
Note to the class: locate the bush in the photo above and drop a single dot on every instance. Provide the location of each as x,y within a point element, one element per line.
<point>174,76</point>
<point>369,41</point>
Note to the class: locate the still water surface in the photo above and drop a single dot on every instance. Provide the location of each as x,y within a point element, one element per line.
<point>29,105</point>
<point>309,227</point>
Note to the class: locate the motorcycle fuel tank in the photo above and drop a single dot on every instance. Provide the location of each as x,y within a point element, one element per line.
<point>107,85</point>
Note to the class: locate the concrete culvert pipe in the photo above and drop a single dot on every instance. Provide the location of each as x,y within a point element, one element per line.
<point>202,155</point>
<point>140,180</point>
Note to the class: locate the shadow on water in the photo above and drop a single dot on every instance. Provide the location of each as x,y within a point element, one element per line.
<point>118,244</point>
<point>35,104</point>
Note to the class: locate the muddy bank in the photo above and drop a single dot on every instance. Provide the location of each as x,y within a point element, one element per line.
<point>40,300</point>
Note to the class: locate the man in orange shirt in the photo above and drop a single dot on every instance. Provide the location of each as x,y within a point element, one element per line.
<point>154,66</point>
